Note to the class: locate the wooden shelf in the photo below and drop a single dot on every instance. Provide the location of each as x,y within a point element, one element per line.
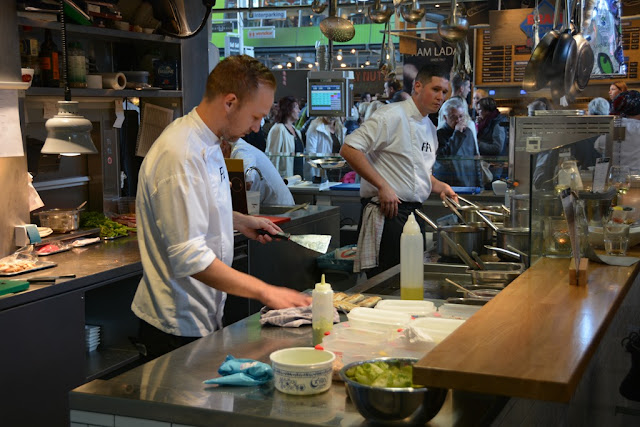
<point>102,33</point>
<point>126,93</point>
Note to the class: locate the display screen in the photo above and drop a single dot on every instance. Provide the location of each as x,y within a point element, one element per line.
<point>327,98</point>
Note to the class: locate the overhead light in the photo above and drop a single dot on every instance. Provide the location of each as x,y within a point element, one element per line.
<point>339,57</point>
<point>437,5</point>
<point>361,65</point>
<point>298,58</point>
<point>316,63</point>
<point>310,65</point>
<point>279,66</point>
<point>367,62</point>
<point>353,50</point>
<point>68,133</point>
<point>289,65</point>
<point>343,65</point>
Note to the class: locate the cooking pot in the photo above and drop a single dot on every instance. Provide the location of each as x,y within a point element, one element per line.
<point>469,237</point>
<point>469,213</point>
<point>517,237</point>
<point>487,232</point>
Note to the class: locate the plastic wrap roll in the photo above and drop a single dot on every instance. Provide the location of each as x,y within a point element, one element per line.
<point>293,180</point>
<point>114,81</point>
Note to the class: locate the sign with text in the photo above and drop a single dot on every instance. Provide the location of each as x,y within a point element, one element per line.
<point>232,45</point>
<point>261,33</point>
<point>222,27</point>
<point>269,14</point>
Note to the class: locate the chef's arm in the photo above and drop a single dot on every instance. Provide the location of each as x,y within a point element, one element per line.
<point>220,276</point>
<point>358,161</point>
<point>443,189</point>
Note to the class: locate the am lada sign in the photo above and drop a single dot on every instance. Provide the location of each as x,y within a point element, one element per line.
<point>261,33</point>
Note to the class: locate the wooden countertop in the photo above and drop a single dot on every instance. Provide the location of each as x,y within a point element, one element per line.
<point>535,339</point>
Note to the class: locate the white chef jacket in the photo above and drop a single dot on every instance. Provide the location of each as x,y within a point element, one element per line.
<point>401,146</point>
<point>627,152</point>
<point>271,186</point>
<point>185,222</point>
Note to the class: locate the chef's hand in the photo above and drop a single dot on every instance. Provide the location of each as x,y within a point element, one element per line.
<point>279,297</point>
<point>447,191</point>
<point>389,201</point>
<point>248,225</point>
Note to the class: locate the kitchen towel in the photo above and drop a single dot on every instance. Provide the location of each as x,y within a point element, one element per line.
<point>242,372</point>
<point>369,237</point>
<point>290,317</point>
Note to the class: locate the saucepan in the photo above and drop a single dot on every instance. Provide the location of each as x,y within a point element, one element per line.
<point>509,236</point>
<point>470,238</point>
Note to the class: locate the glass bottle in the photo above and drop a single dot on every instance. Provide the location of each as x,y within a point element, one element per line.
<point>77,66</point>
<point>49,61</point>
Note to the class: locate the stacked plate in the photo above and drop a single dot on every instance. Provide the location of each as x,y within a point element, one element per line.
<point>92,336</point>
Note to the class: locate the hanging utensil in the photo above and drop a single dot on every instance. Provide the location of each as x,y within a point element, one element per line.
<point>335,28</point>
<point>503,251</point>
<point>536,26</point>
<point>413,13</point>
<point>473,294</point>
<point>585,57</point>
<point>536,73</point>
<point>318,7</point>
<point>454,27</point>
<point>378,14</point>
<point>563,62</point>
<point>315,242</point>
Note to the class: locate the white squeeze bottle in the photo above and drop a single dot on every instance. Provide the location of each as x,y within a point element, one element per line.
<point>411,261</point>
<point>321,310</point>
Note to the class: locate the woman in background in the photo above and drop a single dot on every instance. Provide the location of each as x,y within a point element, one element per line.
<point>616,88</point>
<point>325,136</point>
<point>285,139</point>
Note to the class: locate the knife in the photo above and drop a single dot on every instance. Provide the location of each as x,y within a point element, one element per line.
<point>315,242</point>
<point>50,278</point>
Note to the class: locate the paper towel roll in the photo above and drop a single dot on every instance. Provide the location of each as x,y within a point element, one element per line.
<point>114,81</point>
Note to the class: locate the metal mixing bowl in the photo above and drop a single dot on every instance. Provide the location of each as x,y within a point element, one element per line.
<point>384,404</point>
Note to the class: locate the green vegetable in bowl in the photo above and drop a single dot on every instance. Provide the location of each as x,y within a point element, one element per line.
<point>380,374</point>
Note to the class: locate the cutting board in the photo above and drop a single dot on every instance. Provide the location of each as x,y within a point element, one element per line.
<point>13,286</point>
<point>276,219</point>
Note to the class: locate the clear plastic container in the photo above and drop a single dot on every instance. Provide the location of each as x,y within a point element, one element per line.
<point>60,220</point>
<point>376,319</point>
<point>413,308</point>
<point>437,328</point>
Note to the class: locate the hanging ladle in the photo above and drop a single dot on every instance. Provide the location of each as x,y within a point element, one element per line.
<point>335,28</point>
<point>379,15</point>
<point>453,28</point>
<point>413,13</point>
<point>318,7</point>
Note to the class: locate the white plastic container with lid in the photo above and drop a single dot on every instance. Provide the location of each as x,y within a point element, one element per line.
<point>411,261</point>
<point>321,310</point>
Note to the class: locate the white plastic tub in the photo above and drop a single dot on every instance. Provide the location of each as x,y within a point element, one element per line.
<point>412,308</point>
<point>378,319</point>
<point>437,328</point>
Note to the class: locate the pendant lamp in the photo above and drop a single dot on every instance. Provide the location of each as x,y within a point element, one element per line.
<point>68,133</point>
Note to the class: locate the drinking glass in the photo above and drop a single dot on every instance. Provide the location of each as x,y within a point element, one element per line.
<point>620,178</point>
<point>616,238</point>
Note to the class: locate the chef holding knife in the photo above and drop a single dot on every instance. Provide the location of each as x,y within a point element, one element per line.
<point>394,152</point>
<point>185,220</point>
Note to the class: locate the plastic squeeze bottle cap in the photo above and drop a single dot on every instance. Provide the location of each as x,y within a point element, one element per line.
<point>411,226</point>
<point>323,286</point>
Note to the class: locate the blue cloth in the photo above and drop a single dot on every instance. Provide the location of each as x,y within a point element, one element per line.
<point>242,372</point>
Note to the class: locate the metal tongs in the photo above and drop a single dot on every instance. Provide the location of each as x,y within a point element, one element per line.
<point>451,204</point>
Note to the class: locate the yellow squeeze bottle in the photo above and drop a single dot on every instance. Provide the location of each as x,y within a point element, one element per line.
<point>321,310</point>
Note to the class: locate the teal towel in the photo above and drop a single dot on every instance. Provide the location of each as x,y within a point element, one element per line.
<point>242,372</point>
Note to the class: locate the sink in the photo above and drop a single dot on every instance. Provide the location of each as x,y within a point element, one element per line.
<point>435,287</point>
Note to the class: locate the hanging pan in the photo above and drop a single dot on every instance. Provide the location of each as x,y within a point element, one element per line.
<point>536,73</point>
<point>586,59</point>
<point>563,62</point>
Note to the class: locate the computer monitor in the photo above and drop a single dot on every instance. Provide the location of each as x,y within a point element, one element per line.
<point>327,97</point>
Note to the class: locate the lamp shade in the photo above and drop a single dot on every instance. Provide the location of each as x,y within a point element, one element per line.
<point>68,133</point>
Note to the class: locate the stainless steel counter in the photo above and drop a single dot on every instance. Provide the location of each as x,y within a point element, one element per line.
<point>170,388</point>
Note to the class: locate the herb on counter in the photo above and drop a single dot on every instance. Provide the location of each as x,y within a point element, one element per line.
<point>108,228</point>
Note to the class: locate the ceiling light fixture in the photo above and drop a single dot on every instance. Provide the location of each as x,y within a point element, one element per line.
<point>289,65</point>
<point>310,65</point>
<point>353,50</point>
<point>68,133</point>
<point>343,65</point>
<point>298,58</point>
<point>279,66</point>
